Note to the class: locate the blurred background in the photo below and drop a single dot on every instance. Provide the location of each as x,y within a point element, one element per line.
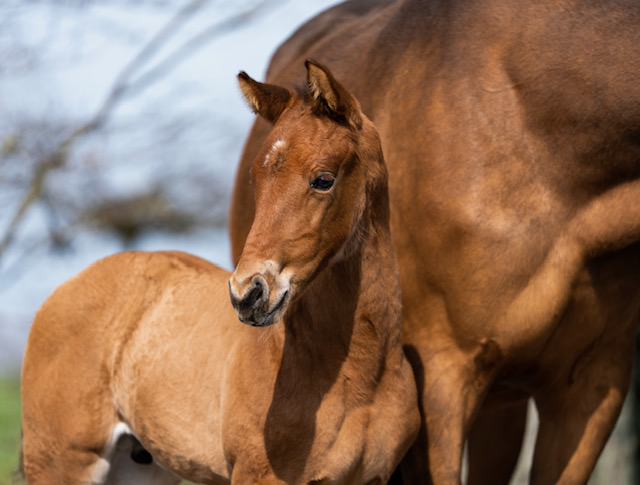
<point>121,125</point>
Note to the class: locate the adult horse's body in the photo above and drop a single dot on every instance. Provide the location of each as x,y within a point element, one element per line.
<point>512,135</point>
<point>145,349</point>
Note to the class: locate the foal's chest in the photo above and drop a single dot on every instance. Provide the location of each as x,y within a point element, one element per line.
<point>298,440</point>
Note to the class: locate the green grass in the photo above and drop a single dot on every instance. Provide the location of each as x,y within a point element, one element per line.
<point>9,428</point>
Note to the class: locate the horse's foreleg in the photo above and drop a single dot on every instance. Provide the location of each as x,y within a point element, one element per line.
<point>452,384</point>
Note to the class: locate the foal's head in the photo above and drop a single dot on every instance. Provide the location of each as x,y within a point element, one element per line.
<point>314,180</point>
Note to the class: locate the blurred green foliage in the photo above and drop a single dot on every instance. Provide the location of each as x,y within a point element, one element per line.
<point>9,427</point>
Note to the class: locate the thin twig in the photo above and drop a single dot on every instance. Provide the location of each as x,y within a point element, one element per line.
<point>196,42</point>
<point>123,85</point>
<point>59,155</point>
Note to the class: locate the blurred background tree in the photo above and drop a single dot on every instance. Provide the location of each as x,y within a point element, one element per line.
<point>37,147</point>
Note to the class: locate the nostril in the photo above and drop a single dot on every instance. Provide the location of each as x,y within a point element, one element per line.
<point>259,291</point>
<point>254,295</point>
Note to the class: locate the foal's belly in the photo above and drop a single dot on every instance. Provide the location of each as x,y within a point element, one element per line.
<point>174,412</point>
<point>191,449</point>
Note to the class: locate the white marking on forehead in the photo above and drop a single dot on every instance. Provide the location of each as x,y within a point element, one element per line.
<point>278,145</point>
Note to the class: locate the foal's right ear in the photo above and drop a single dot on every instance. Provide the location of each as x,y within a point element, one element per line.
<point>267,100</point>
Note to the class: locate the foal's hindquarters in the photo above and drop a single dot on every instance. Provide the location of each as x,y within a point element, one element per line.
<point>98,370</point>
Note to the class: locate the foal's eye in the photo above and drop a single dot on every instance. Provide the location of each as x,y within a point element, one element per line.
<point>322,182</point>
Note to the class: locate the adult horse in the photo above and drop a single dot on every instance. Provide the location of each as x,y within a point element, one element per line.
<point>140,360</point>
<point>512,136</point>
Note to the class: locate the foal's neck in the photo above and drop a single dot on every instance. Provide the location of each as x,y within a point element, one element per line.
<point>352,304</point>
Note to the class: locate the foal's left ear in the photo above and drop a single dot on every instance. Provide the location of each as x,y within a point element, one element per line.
<point>267,100</point>
<point>325,89</point>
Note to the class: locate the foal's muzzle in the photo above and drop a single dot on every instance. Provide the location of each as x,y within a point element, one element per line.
<point>258,302</point>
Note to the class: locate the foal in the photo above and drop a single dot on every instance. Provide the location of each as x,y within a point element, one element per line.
<point>138,371</point>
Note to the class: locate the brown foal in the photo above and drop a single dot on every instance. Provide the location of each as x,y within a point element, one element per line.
<point>137,370</point>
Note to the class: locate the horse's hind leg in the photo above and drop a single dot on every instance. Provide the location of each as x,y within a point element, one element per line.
<point>55,467</point>
<point>65,432</point>
<point>577,419</point>
<point>118,462</point>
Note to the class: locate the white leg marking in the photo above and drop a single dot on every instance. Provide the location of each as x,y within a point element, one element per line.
<point>101,469</point>
<point>116,467</point>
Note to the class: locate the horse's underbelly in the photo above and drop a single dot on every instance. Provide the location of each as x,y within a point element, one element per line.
<point>601,317</point>
<point>598,320</point>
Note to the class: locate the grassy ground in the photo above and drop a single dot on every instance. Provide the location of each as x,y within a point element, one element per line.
<point>9,428</point>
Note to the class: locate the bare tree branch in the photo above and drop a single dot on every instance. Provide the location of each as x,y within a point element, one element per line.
<point>188,48</point>
<point>124,85</point>
<point>121,84</point>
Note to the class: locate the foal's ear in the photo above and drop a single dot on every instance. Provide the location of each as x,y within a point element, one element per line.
<point>267,100</point>
<point>324,89</point>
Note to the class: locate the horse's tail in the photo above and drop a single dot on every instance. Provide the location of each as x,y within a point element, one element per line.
<point>19,476</point>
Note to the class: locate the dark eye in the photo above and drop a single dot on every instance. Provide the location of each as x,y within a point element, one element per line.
<point>323,182</point>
